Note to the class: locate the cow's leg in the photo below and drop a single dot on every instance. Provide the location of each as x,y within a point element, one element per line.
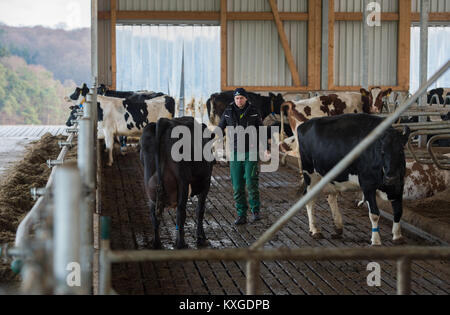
<point>156,239</point>
<point>374,215</point>
<point>313,230</point>
<point>109,143</point>
<point>396,231</point>
<point>200,212</point>
<point>181,216</point>
<point>337,217</point>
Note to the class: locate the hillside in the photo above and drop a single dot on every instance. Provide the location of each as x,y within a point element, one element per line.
<point>67,54</point>
<point>30,95</point>
<point>38,67</point>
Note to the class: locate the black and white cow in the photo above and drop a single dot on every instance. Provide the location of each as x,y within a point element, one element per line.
<point>169,183</point>
<point>126,116</point>
<point>441,93</point>
<point>323,142</point>
<point>266,105</point>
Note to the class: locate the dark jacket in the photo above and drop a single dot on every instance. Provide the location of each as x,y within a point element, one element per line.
<point>248,116</point>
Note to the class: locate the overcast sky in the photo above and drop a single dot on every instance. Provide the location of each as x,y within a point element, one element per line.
<point>67,14</point>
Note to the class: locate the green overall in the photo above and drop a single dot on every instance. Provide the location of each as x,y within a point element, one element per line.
<point>245,173</point>
<point>244,168</point>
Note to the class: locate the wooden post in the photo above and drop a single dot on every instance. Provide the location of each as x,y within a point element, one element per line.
<point>113,43</point>
<point>404,44</point>
<point>403,276</point>
<point>252,277</point>
<point>223,45</point>
<point>331,44</point>
<point>285,44</point>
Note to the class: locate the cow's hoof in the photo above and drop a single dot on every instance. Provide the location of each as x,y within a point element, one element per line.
<point>375,245</point>
<point>338,234</point>
<point>316,236</point>
<point>181,246</point>
<point>399,241</point>
<point>202,242</point>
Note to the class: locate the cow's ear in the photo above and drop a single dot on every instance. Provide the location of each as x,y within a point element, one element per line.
<point>364,92</point>
<point>387,92</point>
<point>405,134</point>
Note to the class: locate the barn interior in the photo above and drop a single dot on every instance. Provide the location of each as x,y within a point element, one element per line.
<point>190,49</point>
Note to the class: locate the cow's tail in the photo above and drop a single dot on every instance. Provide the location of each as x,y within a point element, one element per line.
<point>208,107</point>
<point>160,184</point>
<point>288,104</point>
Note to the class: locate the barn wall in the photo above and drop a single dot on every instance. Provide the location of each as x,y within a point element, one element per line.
<point>382,41</point>
<point>168,5</point>
<point>255,54</point>
<point>435,5</point>
<point>104,46</point>
<point>348,54</point>
<point>356,5</point>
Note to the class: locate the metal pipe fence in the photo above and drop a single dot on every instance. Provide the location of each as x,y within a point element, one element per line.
<point>62,215</point>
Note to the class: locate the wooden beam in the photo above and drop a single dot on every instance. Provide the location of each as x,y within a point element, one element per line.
<point>223,45</point>
<point>404,43</point>
<point>432,17</point>
<point>202,15</point>
<point>357,16</point>
<point>113,44</point>
<point>331,44</point>
<point>358,87</point>
<point>266,16</point>
<point>285,44</point>
<point>311,44</point>
<point>318,44</point>
<point>169,15</point>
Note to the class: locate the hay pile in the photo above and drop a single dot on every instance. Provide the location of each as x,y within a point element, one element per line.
<point>15,197</point>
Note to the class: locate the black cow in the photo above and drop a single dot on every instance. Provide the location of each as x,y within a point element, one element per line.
<point>169,183</point>
<point>441,94</point>
<point>266,105</point>
<point>323,142</point>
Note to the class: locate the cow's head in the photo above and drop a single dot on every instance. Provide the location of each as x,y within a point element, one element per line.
<point>392,143</point>
<point>78,97</point>
<point>276,101</point>
<point>373,99</point>
<point>101,90</point>
<point>72,117</point>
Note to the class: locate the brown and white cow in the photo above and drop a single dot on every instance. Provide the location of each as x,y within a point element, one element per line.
<point>330,105</point>
<point>423,180</point>
<point>334,104</point>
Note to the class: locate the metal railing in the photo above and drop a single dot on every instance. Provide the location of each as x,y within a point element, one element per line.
<point>62,217</point>
<point>255,254</point>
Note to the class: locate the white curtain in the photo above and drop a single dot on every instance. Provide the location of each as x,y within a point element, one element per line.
<point>149,58</point>
<point>438,55</point>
